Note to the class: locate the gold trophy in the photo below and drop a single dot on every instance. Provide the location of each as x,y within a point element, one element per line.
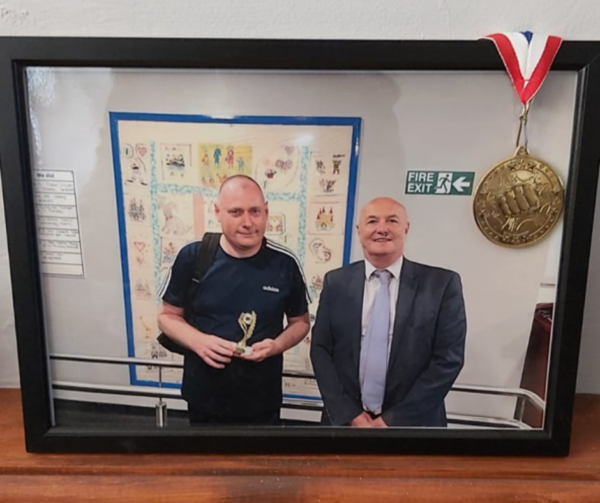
<point>247,322</point>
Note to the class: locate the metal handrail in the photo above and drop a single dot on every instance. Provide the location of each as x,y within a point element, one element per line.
<point>144,391</point>
<point>161,393</point>
<point>119,360</point>
<point>534,399</point>
<point>115,389</point>
<point>484,420</point>
<point>127,360</point>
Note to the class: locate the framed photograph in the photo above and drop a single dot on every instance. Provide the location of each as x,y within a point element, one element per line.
<point>113,152</point>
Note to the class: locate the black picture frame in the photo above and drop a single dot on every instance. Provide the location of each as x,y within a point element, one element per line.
<point>332,55</point>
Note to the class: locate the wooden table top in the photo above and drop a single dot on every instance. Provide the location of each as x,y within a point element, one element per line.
<point>290,478</point>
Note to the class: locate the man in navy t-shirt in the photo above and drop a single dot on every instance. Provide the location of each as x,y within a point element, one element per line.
<point>249,274</point>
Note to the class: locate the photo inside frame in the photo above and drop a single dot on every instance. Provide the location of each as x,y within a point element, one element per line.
<point>127,166</point>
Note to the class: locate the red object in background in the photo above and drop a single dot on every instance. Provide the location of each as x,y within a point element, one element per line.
<point>535,369</point>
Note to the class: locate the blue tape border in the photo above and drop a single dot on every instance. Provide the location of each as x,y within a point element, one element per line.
<point>116,117</point>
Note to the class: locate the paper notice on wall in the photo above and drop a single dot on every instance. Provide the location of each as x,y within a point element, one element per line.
<point>302,388</point>
<point>59,239</point>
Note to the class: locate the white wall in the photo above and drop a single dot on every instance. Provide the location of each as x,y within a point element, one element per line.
<point>348,19</point>
<point>389,19</point>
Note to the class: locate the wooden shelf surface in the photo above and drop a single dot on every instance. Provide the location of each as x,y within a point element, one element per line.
<point>188,478</point>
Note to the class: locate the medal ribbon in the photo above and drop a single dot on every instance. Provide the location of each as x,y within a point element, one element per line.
<point>527,58</point>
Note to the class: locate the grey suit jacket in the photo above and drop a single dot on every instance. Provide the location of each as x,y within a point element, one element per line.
<point>426,355</point>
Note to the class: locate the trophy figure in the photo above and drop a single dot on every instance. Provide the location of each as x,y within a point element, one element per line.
<point>247,322</point>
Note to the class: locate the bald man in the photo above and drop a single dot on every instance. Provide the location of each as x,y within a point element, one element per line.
<point>249,274</point>
<point>389,336</point>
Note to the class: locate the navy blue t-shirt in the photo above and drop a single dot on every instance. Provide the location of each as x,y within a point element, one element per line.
<point>269,283</point>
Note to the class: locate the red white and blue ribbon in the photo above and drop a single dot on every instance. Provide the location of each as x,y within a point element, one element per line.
<point>527,58</point>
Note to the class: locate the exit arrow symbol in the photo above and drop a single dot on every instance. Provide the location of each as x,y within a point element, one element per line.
<point>459,184</point>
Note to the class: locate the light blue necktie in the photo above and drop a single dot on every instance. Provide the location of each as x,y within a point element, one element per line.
<point>375,365</point>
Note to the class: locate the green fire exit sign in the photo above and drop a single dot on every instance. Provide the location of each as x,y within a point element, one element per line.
<point>440,183</point>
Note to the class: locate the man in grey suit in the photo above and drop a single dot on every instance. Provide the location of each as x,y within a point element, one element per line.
<point>389,335</point>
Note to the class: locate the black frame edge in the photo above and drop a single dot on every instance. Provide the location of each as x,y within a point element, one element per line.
<point>369,55</point>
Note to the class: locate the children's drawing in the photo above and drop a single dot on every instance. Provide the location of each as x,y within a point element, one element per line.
<point>147,327</point>
<point>321,169</point>
<point>168,252</point>
<point>141,149</point>
<point>211,224</point>
<point>137,172</point>
<point>328,164</point>
<point>325,220</point>
<point>276,224</point>
<point>329,173</point>
<point>137,208</point>
<point>219,161</point>
<point>321,253</point>
<point>325,217</point>
<point>169,248</point>
<point>282,225</point>
<point>327,185</point>
<point>153,351</point>
<point>230,158</point>
<point>142,289</point>
<point>337,162</point>
<point>315,285</point>
<point>126,150</point>
<point>173,224</point>
<point>217,156</point>
<point>280,169</point>
<point>174,217</point>
<point>176,164</point>
<point>158,352</point>
<point>141,252</point>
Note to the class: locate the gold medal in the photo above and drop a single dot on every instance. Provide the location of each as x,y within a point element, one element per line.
<point>518,201</point>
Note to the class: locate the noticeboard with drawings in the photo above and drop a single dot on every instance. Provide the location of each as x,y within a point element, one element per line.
<point>168,169</point>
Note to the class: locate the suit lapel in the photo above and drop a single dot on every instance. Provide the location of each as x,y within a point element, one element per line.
<point>406,298</point>
<point>354,310</point>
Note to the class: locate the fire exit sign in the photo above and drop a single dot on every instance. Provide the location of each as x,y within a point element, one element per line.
<point>440,183</point>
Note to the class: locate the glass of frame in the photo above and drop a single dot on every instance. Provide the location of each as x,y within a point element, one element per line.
<point>112,152</point>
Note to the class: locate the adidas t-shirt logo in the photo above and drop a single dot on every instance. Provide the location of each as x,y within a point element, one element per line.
<point>270,289</point>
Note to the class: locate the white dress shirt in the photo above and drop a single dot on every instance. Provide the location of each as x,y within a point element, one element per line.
<point>371,285</point>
